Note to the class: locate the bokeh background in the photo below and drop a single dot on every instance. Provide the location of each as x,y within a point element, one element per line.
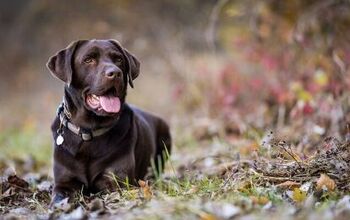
<point>212,68</point>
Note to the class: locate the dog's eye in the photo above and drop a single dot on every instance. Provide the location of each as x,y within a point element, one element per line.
<point>118,59</point>
<point>89,60</point>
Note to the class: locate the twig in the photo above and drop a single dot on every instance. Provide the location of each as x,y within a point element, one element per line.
<point>290,154</point>
<point>234,171</point>
<point>211,31</point>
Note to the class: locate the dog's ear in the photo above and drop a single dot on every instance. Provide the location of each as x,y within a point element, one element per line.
<point>61,64</point>
<point>133,65</point>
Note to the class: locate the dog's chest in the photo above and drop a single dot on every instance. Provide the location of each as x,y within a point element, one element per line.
<point>92,158</point>
<point>104,148</point>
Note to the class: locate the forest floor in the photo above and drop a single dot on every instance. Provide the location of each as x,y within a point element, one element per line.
<point>250,173</point>
<point>261,127</point>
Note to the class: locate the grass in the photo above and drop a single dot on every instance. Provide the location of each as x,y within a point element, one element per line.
<point>179,193</point>
<point>21,143</point>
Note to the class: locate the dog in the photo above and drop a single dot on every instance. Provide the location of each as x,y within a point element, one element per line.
<point>100,140</point>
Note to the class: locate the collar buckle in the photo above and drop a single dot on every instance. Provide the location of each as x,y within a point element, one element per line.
<point>86,135</point>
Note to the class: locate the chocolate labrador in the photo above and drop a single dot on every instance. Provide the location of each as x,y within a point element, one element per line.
<point>98,138</point>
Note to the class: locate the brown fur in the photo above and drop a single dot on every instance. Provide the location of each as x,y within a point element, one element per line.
<point>135,137</point>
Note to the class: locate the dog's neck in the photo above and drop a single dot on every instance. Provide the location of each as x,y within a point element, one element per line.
<point>82,117</point>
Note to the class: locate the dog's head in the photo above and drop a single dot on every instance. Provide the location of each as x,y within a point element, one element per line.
<point>99,70</point>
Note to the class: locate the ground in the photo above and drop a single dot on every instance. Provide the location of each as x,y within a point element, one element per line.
<point>249,174</point>
<point>256,94</point>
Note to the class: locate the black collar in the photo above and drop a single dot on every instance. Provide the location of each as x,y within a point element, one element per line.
<point>85,134</point>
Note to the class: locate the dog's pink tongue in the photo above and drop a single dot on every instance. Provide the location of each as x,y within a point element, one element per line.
<point>110,104</point>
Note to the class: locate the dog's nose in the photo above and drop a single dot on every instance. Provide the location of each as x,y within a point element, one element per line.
<point>113,73</point>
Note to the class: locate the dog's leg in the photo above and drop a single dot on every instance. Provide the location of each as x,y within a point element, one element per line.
<point>112,181</point>
<point>163,145</point>
<point>64,190</point>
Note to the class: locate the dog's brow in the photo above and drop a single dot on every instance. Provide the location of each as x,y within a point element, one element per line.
<point>93,49</point>
<point>114,53</point>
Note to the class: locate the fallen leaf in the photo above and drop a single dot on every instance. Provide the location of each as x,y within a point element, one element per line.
<point>207,216</point>
<point>146,190</point>
<point>142,183</point>
<point>249,148</point>
<point>288,185</point>
<point>299,195</point>
<point>260,200</point>
<point>18,182</point>
<point>244,187</point>
<point>325,183</point>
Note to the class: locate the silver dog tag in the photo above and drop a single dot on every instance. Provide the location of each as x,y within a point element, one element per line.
<point>59,140</point>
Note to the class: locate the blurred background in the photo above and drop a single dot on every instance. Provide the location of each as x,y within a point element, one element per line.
<point>212,68</point>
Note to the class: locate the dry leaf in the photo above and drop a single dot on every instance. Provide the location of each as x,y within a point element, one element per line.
<point>207,216</point>
<point>142,183</point>
<point>244,187</point>
<point>249,148</point>
<point>260,200</point>
<point>263,200</point>
<point>18,182</point>
<point>298,195</point>
<point>288,185</point>
<point>146,190</point>
<point>325,183</point>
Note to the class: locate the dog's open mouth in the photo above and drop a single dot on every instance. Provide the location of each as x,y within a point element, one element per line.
<point>108,102</point>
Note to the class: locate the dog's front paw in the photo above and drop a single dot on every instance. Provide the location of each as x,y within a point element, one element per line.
<point>60,202</point>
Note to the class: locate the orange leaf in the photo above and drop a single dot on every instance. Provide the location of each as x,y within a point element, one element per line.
<point>288,185</point>
<point>325,182</point>
<point>261,200</point>
<point>146,190</point>
<point>207,216</point>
